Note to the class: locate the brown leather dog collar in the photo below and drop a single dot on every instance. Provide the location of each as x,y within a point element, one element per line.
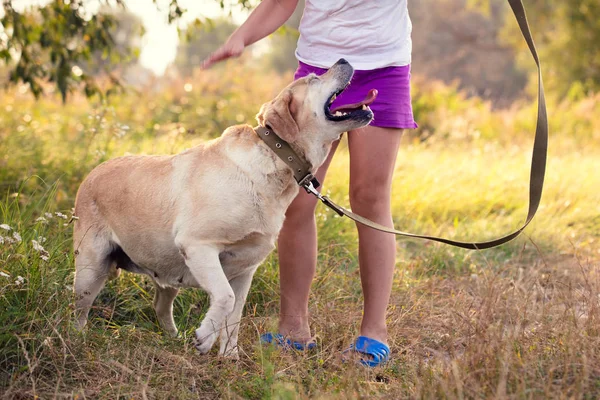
<point>282,149</point>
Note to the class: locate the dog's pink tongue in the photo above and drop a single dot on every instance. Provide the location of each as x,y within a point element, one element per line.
<point>366,102</point>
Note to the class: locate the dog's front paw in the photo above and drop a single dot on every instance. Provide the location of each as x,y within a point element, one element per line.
<point>204,340</point>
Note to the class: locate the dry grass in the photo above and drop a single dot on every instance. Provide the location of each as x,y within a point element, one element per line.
<point>520,331</point>
<point>519,321</point>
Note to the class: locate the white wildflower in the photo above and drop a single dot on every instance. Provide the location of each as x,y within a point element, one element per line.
<point>20,280</point>
<point>60,215</point>
<point>5,227</point>
<point>4,274</point>
<point>37,246</point>
<point>1,239</point>
<point>42,239</point>
<point>42,220</point>
<point>17,237</point>
<point>48,215</point>
<point>121,130</point>
<point>44,255</point>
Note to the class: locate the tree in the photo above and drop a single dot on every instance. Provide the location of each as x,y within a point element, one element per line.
<point>126,33</point>
<point>567,34</point>
<point>45,43</point>
<point>465,48</point>
<point>202,39</point>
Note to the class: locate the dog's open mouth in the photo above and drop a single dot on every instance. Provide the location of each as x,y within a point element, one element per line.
<point>356,111</point>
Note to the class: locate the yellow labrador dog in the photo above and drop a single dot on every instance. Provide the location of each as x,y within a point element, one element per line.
<point>207,217</point>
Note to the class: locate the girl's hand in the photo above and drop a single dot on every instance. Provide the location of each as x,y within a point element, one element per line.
<point>264,20</point>
<point>232,48</point>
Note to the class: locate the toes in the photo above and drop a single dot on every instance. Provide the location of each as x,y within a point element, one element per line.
<point>202,347</point>
<point>204,342</point>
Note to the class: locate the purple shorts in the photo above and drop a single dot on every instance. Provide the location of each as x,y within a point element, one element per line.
<point>392,107</point>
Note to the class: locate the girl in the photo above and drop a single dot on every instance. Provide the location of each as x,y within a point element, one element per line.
<point>375,38</point>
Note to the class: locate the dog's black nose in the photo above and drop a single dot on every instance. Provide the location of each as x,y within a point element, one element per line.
<point>342,61</point>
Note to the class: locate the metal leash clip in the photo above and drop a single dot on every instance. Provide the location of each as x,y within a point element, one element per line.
<point>310,188</point>
<point>310,184</point>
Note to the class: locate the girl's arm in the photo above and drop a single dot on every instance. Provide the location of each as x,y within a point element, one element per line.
<point>264,20</point>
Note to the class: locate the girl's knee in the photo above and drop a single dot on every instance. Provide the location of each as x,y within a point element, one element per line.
<point>371,197</point>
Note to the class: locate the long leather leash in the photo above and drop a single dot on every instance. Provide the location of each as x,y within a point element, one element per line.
<point>536,180</point>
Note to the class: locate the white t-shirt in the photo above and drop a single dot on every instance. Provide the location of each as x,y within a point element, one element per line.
<point>369,34</point>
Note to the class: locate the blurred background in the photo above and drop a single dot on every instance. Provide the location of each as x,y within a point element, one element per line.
<point>472,44</point>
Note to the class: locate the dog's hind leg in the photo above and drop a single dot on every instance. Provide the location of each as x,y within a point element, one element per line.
<point>163,305</point>
<point>92,269</point>
<point>229,334</point>
<point>203,262</point>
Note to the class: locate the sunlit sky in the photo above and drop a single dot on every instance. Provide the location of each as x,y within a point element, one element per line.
<point>159,44</point>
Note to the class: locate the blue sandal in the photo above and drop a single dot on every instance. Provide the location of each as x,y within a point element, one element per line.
<point>378,353</point>
<point>279,340</point>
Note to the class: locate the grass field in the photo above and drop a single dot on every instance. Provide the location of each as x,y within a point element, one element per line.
<point>518,321</point>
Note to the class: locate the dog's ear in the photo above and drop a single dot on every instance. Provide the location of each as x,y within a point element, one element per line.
<point>278,115</point>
